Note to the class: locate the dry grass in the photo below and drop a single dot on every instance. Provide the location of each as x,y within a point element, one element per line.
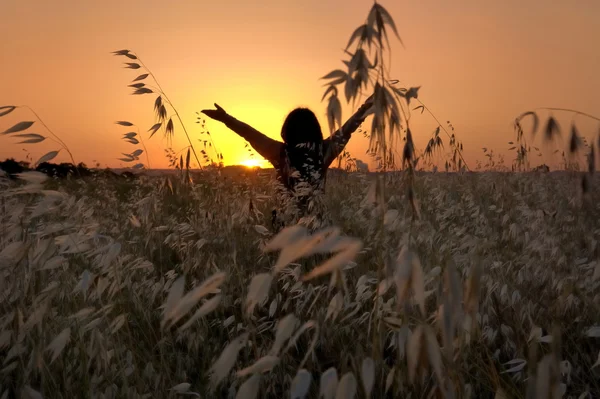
<point>136,290</point>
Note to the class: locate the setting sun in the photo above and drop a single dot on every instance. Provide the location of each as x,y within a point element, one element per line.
<point>251,163</point>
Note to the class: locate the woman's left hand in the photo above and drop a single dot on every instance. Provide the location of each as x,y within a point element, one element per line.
<point>217,114</point>
<point>367,104</point>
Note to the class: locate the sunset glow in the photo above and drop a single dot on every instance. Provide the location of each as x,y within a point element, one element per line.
<point>212,181</point>
<point>252,163</point>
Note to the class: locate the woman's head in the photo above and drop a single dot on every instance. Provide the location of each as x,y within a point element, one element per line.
<point>301,126</point>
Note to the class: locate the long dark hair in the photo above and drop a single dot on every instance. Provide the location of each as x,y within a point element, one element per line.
<point>303,145</point>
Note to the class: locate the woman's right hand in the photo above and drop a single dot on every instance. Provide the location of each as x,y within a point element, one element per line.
<point>217,114</point>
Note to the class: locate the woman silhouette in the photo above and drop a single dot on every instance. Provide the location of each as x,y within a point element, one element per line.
<point>302,159</point>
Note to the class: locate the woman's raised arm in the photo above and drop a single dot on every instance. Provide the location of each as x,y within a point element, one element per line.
<point>336,143</point>
<point>264,145</point>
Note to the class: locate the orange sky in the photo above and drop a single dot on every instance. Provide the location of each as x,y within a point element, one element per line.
<point>479,64</point>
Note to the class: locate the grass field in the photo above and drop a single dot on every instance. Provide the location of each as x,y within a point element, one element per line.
<point>95,276</point>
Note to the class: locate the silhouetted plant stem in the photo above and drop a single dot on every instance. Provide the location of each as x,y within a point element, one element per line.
<point>572,111</point>
<point>162,92</point>
<point>56,138</point>
<point>444,130</point>
<point>143,145</point>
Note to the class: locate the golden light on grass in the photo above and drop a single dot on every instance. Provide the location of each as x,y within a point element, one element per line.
<point>270,310</point>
